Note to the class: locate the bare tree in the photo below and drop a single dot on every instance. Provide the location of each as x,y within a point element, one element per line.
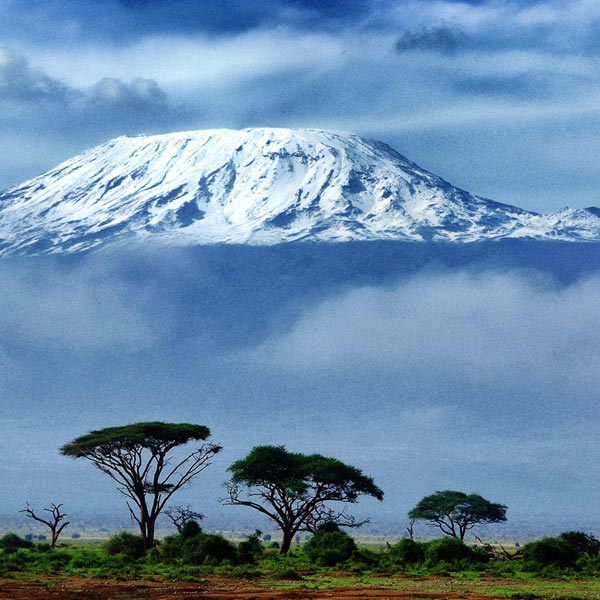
<point>54,523</point>
<point>326,514</point>
<point>410,529</point>
<point>498,551</point>
<point>180,515</point>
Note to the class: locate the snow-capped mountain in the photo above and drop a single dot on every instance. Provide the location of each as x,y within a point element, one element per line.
<point>257,186</point>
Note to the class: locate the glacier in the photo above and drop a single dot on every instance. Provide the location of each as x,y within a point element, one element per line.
<point>260,186</point>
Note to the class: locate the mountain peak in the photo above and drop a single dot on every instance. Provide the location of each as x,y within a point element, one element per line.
<point>256,186</point>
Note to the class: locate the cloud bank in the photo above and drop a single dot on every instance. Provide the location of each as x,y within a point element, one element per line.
<point>483,342</point>
<point>482,378</point>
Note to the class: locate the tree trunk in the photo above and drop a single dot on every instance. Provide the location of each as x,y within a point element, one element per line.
<point>147,530</point>
<point>149,542</point>
<point>286,543</point>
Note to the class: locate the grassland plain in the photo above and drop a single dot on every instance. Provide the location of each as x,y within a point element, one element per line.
<point>86,571</point>
<point>332,585</point>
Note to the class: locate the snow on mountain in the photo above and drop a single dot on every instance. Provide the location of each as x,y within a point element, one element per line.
<point>257,186</point>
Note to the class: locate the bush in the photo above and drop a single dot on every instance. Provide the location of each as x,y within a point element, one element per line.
<point>53,562</point>
<point>570,549</point>
<point>582,544</point>
<point>190,528</point>
<point>87,559</point>
<point>329,546</point>
<point>11,542</point>
<point>128,544</point>
<point>449,550</point>
<point>407,552</point>
<point>251,549</point>
<point>365,559</point>
<point>549,551</point>
<point>197,549</point>
<point>212,549</point>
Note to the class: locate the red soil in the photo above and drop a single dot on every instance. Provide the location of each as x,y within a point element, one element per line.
<point>213,588</point>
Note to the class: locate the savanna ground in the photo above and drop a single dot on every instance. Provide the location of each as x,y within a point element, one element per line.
<point>331,585</point>
<point>196,564</point>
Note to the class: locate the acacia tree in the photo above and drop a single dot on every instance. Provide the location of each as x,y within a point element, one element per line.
<point>456,512</point>
<point>140,459</point>
<point>53,522</point>
<point>293,489</point>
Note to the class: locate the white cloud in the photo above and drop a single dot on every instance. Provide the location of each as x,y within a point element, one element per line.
<point>471,340</point>
<point>183,61</point>
<point>497,14</point>
<point>69,310</point>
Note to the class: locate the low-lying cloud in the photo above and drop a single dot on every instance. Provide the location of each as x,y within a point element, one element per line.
<point>490,342</point>
<point>480,378</point>
<point>70,311</point>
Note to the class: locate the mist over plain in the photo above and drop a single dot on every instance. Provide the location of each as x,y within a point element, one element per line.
<point>471,367</point>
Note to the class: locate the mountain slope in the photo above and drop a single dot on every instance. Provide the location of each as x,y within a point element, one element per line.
<point>257,186</point>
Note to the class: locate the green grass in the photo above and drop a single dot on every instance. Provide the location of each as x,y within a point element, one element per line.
<point>372,568</point>
<point>516,588</point>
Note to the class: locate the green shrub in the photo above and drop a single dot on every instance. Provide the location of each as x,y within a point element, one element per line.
<point>11,542</point>
<point>14,560</point>
<point>251,549</point>
<point>364,558</point>
<point>126,543</point>
<point>197,549</point>
<point>190,528</point>
<point>407,552</point>
<point>51,562</point>
<point>572,549</point>
<point>87,559</point>
<point>582,544</point>
<point>329,546</point>
<point>212,549</point>
<point>450,551</point>
<point>549,552</point>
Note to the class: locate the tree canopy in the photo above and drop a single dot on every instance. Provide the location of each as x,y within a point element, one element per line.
<point>294,489</point>
<point>456,512</point>
<point>137,457</point>
<point>151,435</point>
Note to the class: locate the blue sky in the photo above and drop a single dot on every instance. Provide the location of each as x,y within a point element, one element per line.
<point>499,97</point>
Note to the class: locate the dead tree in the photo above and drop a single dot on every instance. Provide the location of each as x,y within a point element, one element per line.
<point>410,529</point>
<point>499,552</point>
<point>53,522</point>
<point>180,515</point>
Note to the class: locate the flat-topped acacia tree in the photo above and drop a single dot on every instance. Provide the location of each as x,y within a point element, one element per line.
<point>140,459</point>
<point>295,489</point>
<point>455,513</point>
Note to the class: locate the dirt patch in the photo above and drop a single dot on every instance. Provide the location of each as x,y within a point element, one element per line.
<point>213,588</point>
